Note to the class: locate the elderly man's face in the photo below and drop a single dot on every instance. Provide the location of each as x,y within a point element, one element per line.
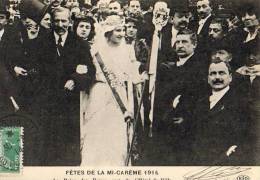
<point>3,21</point>
<point>221,55</point>
<point>184,45</point>
<point>134,6</point>
<point>215,31</point>
<point>219,76</point>
<point>61,22</point>
<point>114,8</point>
<point>203,8</point>
<point>181,20</point>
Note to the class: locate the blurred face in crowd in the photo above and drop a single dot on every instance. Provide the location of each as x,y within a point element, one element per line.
<point>72,3</point>
<point>184,45</point>
<point>114,8</point>
<point>221,55</point>
<point>56,3</point>
<point>131,29</point>
<point>203,8</point>
<point>3,21</point>
<point>219,76</point>
<point>249,19</point>
<point>117,35</point>
<point>181,20</point>
<point>32,28</point>
<point>61,21</point>
<point>215,31</point>
<point>160,13</point>
<point>83,30</point>
<point>46,21</point>
<point>134,6</point>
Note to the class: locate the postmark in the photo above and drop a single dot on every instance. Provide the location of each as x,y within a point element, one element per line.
<point>11,146</point>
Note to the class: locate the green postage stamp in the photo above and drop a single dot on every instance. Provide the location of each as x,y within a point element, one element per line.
<point>11,146</point>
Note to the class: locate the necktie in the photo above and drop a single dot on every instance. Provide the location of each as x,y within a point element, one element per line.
<point>59,46</point>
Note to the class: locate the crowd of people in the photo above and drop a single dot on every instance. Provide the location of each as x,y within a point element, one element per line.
<point>118,83</point>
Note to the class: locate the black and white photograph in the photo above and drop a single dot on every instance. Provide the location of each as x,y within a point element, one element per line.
<point>119,83</point>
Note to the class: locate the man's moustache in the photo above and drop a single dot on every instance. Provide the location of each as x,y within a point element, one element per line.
<point>217,81</point>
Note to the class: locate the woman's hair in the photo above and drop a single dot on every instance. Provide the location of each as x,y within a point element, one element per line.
<point>87,19</point>
<point>108,34</point>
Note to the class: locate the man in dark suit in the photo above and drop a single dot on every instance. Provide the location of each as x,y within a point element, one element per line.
<point>176,93</point>
<point>7,85</point>
<point>204,10</point>
<point>68,68</point>
<point>220,121</point>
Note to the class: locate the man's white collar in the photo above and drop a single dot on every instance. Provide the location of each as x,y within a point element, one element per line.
<point>182,61</point>
<point>63,37</point>
<point>2,33</point>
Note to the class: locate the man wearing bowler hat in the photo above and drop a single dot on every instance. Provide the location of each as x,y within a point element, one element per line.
<point>68,69</point>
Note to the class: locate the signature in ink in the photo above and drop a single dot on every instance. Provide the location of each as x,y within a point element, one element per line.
<point>214,173</point>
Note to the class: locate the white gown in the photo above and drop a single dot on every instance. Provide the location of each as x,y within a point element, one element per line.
<point>103,129</point>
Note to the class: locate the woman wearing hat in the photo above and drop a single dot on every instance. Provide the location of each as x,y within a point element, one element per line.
<point>104,129</point>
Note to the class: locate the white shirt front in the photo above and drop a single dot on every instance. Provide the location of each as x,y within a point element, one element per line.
<point>216,96</point>
<point>251,37</point>
<point>1,34</point>
<point>63,37</point>
<point>182,61</point>
<point>174,35</point>
<point>201,23</point>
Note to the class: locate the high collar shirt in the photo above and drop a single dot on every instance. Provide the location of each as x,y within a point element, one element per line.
<point>182,61</point>
<point>63,37</point>
<point>1,34</point>
<point>201,23</point>
<point>216,96</point>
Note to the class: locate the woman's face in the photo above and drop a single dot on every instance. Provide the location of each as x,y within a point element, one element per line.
<point>83,30</point>
<point>117,35</point>
<point>46,21</point>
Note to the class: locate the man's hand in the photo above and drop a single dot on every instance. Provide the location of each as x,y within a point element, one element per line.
<point>82,69</point>
<point>178,120</point>
<point>20,71</point>
<point>231,150</point>
<point>128,116</point>
<point>69,85</point>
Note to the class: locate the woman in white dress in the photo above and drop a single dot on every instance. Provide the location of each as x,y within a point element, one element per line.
<point>104,130</point>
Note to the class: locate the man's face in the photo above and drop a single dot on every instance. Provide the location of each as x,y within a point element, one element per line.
<point>221,55</point>
<point>219,76</point>
<point>184,46</point>
<point>250,19</point>
<point>117,35</point>
<point>72,3</point>
<point>114,8</point>
<point>56,3</point>
<point>181,20</point>
<point>3,21</point>
<point>61,22</point>
<point>203,8</point>
<point>46,21</point>
<point>131,30</point>
<point>83,30</point>
<point>134,6</point>
<point>216,31</point>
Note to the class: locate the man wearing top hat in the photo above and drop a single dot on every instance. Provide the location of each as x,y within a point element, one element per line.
<point>68,68</point>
